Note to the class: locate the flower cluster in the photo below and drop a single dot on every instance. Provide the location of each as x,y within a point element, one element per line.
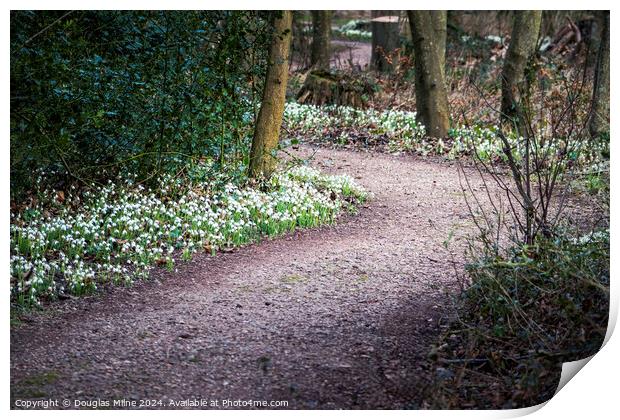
<point>594,236</point>
<point>120,231</point>
<point>483,140</point>
<point>343,183</point>
<point>399,127</point>
<point>401,131</point>
<point>488,146</point>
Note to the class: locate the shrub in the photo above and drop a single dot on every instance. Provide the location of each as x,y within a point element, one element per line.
<point>520,318</point>
<point>97,93</point>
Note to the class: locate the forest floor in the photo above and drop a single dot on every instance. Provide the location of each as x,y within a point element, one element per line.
<point>335,317</point>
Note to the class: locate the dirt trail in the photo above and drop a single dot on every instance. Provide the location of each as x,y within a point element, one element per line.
<point>336,317</point>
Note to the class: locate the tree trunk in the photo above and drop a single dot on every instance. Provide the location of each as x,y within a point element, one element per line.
<point>430,89</point>
<point>599,118</point>
<point>269,122</point>
<point>440,25</point>
<point>321,35</point>
<point>515,87</point>
<point>385,41</point>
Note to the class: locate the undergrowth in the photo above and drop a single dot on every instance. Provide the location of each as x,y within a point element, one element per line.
<point>523,315</point>
<point>398,131</point>
<point>72,242</point>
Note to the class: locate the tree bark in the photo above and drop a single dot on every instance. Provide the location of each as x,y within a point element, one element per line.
<point>440,25</point>
<point>430,89</point>
<point>321,35</point>
<point>599,118</point>
<point>385,40</point>
<point>515,87</point>
<point>269,121</point>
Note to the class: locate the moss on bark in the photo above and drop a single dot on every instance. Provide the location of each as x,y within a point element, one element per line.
<point>269,121</point>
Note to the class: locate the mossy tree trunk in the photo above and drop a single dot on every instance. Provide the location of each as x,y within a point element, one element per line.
<point>515,86</point>
<point>599,119</point>
<point>321,36</point>
<point>440,25</point>
<point>267,132</point>
<point>430,89</point>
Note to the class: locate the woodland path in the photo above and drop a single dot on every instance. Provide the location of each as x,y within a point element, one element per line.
<point>334,317</point>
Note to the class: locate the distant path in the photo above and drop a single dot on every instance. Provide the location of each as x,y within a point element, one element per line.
<point>346,53</point>
<point>335,317</point>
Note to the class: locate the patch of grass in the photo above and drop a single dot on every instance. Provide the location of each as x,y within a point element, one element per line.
<point>594,182</point>
<point>16,320</point>
<point>27,393</point>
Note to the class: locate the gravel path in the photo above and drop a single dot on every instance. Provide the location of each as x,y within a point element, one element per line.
<point>336,317</point>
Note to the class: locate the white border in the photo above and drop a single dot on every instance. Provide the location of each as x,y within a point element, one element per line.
<point>592,394</point>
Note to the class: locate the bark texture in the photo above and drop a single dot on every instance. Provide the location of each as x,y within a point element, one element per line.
<point>515,87</point>
<point>599,119</point>
<point>440,25</point>
<point>430,89</point>
<point>385,40</point>
<point>269,122</point>
<point>321,34</point>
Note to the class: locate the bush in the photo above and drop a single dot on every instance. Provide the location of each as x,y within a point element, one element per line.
<point>99,94</point>
<point>520,318</point>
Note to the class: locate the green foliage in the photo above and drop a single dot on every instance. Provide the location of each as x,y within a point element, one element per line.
<point>563,274</point>
<point>94,92</point>
<point>521,317</point>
